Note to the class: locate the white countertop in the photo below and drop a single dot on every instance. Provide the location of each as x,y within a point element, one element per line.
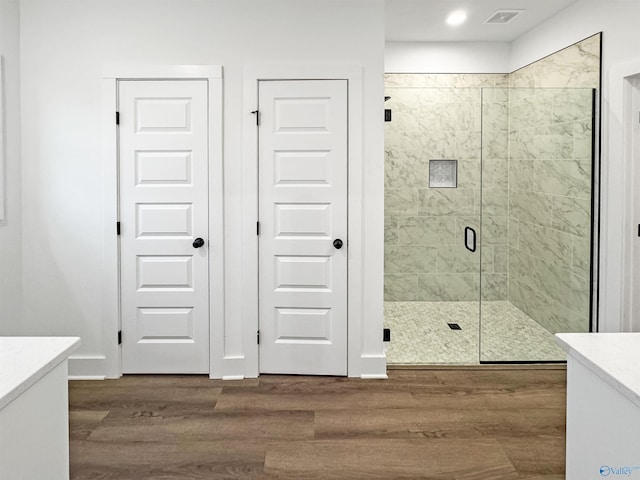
<point>614,357</point>
<point>25,360</point>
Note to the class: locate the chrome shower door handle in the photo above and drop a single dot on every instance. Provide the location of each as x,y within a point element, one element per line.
<point>470,239</point>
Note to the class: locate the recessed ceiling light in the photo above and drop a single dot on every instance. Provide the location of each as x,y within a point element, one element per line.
<point>457,17</point>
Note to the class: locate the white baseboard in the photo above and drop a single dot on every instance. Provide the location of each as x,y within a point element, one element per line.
<point>374,366</point>
<point>231,368</point>
<point>87,367</point>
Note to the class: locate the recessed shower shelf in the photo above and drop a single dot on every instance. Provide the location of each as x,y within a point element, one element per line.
<point>443,173</point>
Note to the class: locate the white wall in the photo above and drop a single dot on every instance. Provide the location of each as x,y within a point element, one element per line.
<point>10,227</point>
<point>446,57</point>
<point>65,46</point>
<point>618,20</point>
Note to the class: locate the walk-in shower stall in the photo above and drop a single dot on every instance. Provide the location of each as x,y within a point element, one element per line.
<point>488,219</point>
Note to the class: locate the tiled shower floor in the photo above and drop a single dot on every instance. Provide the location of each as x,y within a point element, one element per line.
<point>420,334</point>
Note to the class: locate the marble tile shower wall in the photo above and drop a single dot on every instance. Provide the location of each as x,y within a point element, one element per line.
<point>438,117</point>
<point>550,168</point>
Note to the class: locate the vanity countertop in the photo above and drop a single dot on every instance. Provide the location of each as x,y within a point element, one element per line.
<point>25,360</point>
<point>614,357</point>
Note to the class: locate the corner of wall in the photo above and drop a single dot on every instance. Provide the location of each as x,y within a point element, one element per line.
<point>10,161</point>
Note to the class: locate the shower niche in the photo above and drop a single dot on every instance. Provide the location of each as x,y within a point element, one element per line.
<point>512,164</point>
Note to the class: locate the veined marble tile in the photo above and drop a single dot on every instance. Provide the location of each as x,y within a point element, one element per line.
<point>495,117</point>
<point>495,144</point>
<point>551,315</point>
<point>457,259</point>
<point>514,233</point>
<point>495,230</point>
<point>497,94</point>
<point>494,286</point>
<point>502,82</point>
<point>520,94</point>
<point>581,256</point>
<point>572,215</point>
<point>444,80</point>
<point>571,105</point>
<point>427,230</point>
<point>569,178</point>
<point>494,258</point>
<point>399,170</point>
<point>452,117</point>
<point>390,230</point>
<point>576,66</point>
<point>468,145</point>
<point>531,112</point>
<point>521,268</point>
<point>495,201</point>
<point>448,286</point>
<point>521,174</point>
<point>495,172</point>
<point>487,258</point>
<point>501,259</point>
<point>409,259</point>
<point>446,201</point>
<point>400,286</point>
<point>583,140</point>
<point>522,145</point>
<point>550,245</point>
<point>469,174</point>
<point>401,201</point>
<point>562,285</point>
<point>553,142</point>
<point>532,207</point>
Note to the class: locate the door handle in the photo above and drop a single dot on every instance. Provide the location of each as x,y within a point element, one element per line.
<point>337,243</point>
<point>198,242</point>
<point>470,239</point>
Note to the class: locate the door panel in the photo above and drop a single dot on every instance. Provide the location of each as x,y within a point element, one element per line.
<point>163,208</point>
<point>303,209</point>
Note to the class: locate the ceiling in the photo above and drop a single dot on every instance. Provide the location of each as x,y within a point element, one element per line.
<point>424,20</point>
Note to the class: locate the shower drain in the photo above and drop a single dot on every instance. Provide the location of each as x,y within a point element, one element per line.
<point>454,326</point>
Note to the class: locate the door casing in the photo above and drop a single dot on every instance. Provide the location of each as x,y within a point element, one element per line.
<point>365,356</point>
<point>111,321</point>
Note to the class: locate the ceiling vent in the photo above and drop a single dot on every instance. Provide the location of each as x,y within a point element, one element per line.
<point>503,16</point>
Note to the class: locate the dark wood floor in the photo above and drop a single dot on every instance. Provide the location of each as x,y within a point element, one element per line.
<point>419,424</point>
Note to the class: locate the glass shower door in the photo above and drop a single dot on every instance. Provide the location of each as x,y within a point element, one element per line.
<point>432,199</point>
<point>536,228</point>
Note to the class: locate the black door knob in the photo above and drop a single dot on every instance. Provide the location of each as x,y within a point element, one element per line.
<point>337,243</point>
<point>198,242</point>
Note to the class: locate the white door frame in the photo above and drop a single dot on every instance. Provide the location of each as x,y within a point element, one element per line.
<point>621,176</point>
<point>249,366</point>
<point>110,311</point>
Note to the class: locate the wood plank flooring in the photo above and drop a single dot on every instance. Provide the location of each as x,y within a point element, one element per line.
<point>457,424</point>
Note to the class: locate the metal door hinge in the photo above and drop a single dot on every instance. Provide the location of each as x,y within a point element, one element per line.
<point>386,334</point>
<point>258,228</point>
<point>117,118</point>
<point>258,337</point>
<point>117,228</point>
<point>257,114</point>
<point>119,337</point>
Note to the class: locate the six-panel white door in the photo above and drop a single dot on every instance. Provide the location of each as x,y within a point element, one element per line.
<point>163,154</point>
<point>303,211</point>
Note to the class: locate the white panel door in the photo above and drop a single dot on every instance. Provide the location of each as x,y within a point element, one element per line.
<point>303,211</point>
<point>163,212</point>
